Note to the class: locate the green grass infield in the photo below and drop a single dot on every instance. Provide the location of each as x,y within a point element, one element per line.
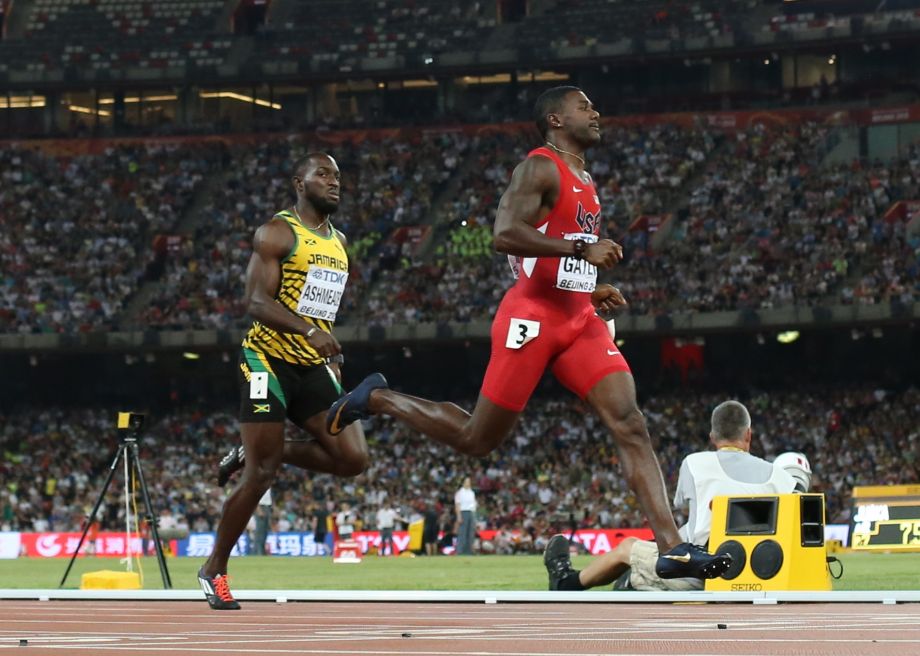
<point>862,571</point>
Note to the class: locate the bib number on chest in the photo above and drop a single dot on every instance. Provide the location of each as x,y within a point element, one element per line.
<point>577,275</point>
<point>322,293</point>
<point>521,331</point>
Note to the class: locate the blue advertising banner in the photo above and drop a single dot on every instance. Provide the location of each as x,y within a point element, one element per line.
<point>200,545</point>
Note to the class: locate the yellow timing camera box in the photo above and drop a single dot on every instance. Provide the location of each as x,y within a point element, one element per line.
<point>776,542</point>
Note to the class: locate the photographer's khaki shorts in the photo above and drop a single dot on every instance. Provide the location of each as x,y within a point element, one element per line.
<point>642,575</point>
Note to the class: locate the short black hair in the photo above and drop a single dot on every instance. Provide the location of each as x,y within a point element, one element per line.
<point>549,102</point>
<point>300,165</point>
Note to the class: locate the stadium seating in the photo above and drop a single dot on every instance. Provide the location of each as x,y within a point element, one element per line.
<point>331,33</point>
<point>105,35</point>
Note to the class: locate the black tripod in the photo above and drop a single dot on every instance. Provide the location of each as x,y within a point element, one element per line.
<point>131,424</point>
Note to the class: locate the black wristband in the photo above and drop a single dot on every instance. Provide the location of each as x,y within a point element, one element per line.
<point>580,246</point>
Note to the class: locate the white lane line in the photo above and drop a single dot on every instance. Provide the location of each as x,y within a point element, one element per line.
<point>212,645</point>
<point>501,632</point>
<point>408,651</point>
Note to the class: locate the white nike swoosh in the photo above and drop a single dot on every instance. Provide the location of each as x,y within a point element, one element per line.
<point>609,352</point>
<point>681,559</point>
<point>576,189</point>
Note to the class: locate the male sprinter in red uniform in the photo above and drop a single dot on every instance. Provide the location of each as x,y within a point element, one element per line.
<point>548,221</point>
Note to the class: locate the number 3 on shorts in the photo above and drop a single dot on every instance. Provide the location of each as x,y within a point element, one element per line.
<point>521,331</point>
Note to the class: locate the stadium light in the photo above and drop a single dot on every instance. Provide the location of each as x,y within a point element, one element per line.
<point>188,355</point>
<point>550,76</point>
<point>87,110</point>
<point>22,102</point>
<point>136,99</point>
<point>239,96</point>
<point>418,84</point>
<point>787,337</point>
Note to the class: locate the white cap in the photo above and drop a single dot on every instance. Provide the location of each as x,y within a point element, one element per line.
<point>797,466</point>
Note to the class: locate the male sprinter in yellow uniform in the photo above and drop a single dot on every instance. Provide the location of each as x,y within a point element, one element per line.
<point>294,283</point>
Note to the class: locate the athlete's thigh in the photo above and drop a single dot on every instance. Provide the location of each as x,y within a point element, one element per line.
<point>348,446</point>
<point>265,384</point>
<point>591,357</point>
<point>490,423</point>
<point>263,442</point>
<point>315,389</point>
<point>262,410</point>
<point>523,343</point>
<point>318,389</point>
<point>613,397</point>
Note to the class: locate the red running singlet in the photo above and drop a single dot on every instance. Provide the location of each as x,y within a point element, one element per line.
<point>546,318</point>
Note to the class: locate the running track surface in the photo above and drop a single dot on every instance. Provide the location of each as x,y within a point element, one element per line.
<point>456,629</point>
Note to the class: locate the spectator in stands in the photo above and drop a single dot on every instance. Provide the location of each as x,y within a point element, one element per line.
<point>431,529</point>
<point>386,521</point>
<point>318,523</point>
<point>465,508</point>
<point>345,523</point>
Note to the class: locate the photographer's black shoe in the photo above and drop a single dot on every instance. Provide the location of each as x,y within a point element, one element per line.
<point>691,561</point>
<point>557,560</point>
<point>230,464</point>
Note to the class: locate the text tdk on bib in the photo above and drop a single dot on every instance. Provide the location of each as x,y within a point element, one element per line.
<point>322,293</point>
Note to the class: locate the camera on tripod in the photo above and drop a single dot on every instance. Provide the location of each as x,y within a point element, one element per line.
<point>131,421</point>
<point>130,425</point>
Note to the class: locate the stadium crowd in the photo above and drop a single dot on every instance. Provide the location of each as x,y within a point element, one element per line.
<point>766,225</point>
<point>751,218</point>
<point>75,231</point>
<point>769,226</point>
<point>559,467</point>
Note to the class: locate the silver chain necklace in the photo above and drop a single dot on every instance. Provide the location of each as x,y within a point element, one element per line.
<point>559,150</point>
<point>317,228</point>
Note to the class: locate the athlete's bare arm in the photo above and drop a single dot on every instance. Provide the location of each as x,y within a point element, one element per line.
<point>273,241</point>
<point>530,196</point>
